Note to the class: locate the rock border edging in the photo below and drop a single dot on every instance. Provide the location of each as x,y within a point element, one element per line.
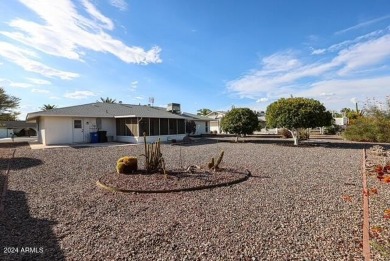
<point>246,176</point>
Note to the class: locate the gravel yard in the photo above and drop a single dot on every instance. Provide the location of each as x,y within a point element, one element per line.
<point>301,204</point>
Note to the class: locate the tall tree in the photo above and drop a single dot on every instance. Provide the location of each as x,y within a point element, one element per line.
<point>240,121</point>
<point>106,100</point>
<point>296,113</point>
<point>203,111</point>
<point>8,104</point>
<point>47,107</point>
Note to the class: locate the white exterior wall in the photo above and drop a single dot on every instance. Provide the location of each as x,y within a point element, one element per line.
<point>5,133</point>
<point>109,125</point>
<point>341,121</point>
<point>150,139</point>
<point>59,130</point>
<point>55,130</point>
<point>215,125</point>
<point>201,127</point>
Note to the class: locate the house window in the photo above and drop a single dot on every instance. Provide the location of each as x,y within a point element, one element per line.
<point>181,126</point>
<point>131,127</point>
<point>154,127</point>
<point>163,126</point>
<point>126,127</point>
<point>172,126</point>
<point>77,124</point>
<point>144,126</point>
<point>207,126</point>
<point>120,127</point>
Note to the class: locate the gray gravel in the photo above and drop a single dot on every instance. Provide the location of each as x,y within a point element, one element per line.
<point>294,207</point>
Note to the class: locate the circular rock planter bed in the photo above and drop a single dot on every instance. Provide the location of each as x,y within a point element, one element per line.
<point>173,181</point>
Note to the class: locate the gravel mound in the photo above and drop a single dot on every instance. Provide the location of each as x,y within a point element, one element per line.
<point>293,207</point>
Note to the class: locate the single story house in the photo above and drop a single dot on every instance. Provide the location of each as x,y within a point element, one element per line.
<point>120,122</point>
<point>202,123</point>
<point>215,123</point>
<point>22,128</point>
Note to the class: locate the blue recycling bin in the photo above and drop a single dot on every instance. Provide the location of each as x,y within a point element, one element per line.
<point>94,137</point>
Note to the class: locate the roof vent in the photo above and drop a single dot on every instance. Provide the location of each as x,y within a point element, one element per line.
<point>174,108</point>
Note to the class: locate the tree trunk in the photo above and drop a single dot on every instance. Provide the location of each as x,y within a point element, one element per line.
<point>236,138</point>
<point>295,135</point>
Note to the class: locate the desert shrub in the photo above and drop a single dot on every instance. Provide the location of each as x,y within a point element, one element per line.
<point>304,134</point>
<point>285,133</point>
<point>332,129</point>
<point>363,129</point>
<point>373,125</point>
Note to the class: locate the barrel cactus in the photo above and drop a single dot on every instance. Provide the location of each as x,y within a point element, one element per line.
<point>127,165</point>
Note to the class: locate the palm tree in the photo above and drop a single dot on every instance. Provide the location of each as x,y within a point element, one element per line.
<point>47,107</point>
<point>106,100</point>
<point>203,112</point>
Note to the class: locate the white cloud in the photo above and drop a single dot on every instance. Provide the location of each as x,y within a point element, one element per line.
<point>318,51</point>
<point>262,100</point>
<point>64,32</point>
<point>133,86</point>
<point>357,67</point>
<point>91,9</point>
<point>364,54</point>
<point>79,95</point>
<point>139,98</point>
<point>354,100</point>
<point>327,94</point>
<point>20,85</point>
<point>39,91</point>
<point>363,24</point>
<point>120,4</point>
<point>39,81</point>
<point>15,84</point>
<point>27,60</point>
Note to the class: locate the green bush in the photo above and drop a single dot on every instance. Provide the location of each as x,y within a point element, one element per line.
<point>369,129</point>
<point>332,129</point>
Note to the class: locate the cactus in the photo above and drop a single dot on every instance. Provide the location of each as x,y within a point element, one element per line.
<point>127,165</point>
<point>215,166</point>
<point>211,163</point>
<point>153,157</point>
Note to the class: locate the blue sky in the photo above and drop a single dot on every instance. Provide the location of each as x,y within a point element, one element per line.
<point>199,53</point>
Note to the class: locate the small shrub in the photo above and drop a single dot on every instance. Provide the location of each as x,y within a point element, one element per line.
<point>304,134</point>
<point>332,130</point>
<point>127,165</point>
<point>285,133</point>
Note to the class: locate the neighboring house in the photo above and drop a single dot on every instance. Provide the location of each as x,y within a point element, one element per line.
<point>215,123</point>
<point>202,123</point>
<point>121,122</point>
<point>22,128</point>
<point>342,121</point>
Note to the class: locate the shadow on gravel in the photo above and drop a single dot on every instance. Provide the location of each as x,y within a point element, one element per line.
<point>24,237</point>
<point>19,163</point>
<point>10,145</point>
